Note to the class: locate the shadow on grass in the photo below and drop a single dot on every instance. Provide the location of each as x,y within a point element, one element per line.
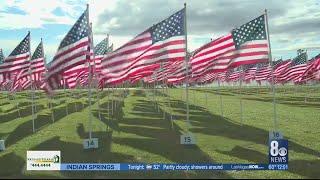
<point>291,101</point>
<point>11,165</point>
<point>25,110</point>
<point>205,122</point>
<point>41,120</point>
<point>156,137</point>
<point>309,169</point>
<point>111,111</point>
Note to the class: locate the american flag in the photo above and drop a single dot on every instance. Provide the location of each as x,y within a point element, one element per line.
<point>247,44</point>
<point>207,78</point>
<point>37,64</point>
<point>249,72</point>
<point>1,62</point>
<point>178,72</point>
<point>297,67</point>
<point>19,80</point>
<point>263,72</point>
<point>17,61</point>
<point>1,56</point>
<point>100,51</point>
<point>235,75</point>
<point>312,72</point>
<point>164,41</point>
<point>221,76</point>
<point>36,70</point>
<point>279,67</point>
<point>74,50</point>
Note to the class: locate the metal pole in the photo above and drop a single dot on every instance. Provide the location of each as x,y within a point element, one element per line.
<point>32,91</point>
<point>75,94</point>
<point>219,91</point>
<point>272,75</point>
<point>305,95</point>
<point>52,111</point>
<point>206,96</point>
<point>90,79</point>
<point>187,67</point>
<point>241,108</point>
<point>65,93</point>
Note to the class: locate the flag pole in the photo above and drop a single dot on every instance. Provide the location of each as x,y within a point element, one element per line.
<point>219,91</point>
<point>162,87</point>
<point>90,77</point>
<point>272,75</point>
<point>187,67</point>
<point>305,95</point>
<point>241,108</point>
<point>169,96</point>
<point>66,96</point>
<point>32,88</point>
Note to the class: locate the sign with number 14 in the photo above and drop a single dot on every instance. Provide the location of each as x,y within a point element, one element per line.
<point>90,143</point>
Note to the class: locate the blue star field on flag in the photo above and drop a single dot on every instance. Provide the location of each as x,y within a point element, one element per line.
<point>23,46</point>
<point>253,30</point>
<point>101,48</point>
<point>78,31</point>
<point>172,26</point>
<point>38,53</point>
<point>1,56</point>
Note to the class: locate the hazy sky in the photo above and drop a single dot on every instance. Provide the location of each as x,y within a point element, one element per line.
<point>293,24</point>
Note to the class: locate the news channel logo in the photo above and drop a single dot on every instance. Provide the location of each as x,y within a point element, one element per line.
<point>278,151</point>
<point>43,160</point>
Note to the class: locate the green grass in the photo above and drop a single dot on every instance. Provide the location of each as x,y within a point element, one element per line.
<point>139,129</point>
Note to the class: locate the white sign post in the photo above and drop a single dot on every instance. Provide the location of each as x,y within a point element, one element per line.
<point>2,145</point>
<point>90,143</point>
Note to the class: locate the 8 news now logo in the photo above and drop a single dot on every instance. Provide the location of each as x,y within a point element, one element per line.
<point>278,151</point>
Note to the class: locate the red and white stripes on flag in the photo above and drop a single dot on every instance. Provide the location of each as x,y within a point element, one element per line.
<point>17,61</point>
<point>138,55</point>
<point>280,69</point>
<point>14,64</point>
<point>37,68</point>
<point>293,73</point>
<point>74,50</point>
<point>164,41</point>
<point>235,76</point>
<point>250,74</point>
<point>247,44</point>
<point>221,54</point>
<point>312,71</point>
<point>263,73</point>
<point>177,73</point>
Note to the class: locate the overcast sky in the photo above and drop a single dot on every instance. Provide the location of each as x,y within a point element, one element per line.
<point>293,24</point>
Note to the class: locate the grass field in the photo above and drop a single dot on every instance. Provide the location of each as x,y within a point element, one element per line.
<point>138,128</point>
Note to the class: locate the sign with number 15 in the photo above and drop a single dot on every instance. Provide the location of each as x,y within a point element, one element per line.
<point>187,139</point>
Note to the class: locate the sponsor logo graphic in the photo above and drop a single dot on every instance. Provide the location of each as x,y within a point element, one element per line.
<point>43,160</point>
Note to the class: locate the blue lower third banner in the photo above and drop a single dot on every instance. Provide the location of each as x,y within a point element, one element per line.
<point>166,167</point>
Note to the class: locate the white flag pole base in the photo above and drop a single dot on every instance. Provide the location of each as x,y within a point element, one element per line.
<point>2,145</point>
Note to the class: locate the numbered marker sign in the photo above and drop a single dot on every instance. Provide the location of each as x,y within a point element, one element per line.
<point>90,143</point>
<point>2,146</point>
<point>187,139</point>
<point>274,135</point>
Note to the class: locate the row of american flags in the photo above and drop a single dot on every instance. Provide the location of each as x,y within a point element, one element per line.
<point>158,54</point>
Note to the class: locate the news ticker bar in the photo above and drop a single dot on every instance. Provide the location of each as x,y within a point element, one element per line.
<point>166,167</point>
